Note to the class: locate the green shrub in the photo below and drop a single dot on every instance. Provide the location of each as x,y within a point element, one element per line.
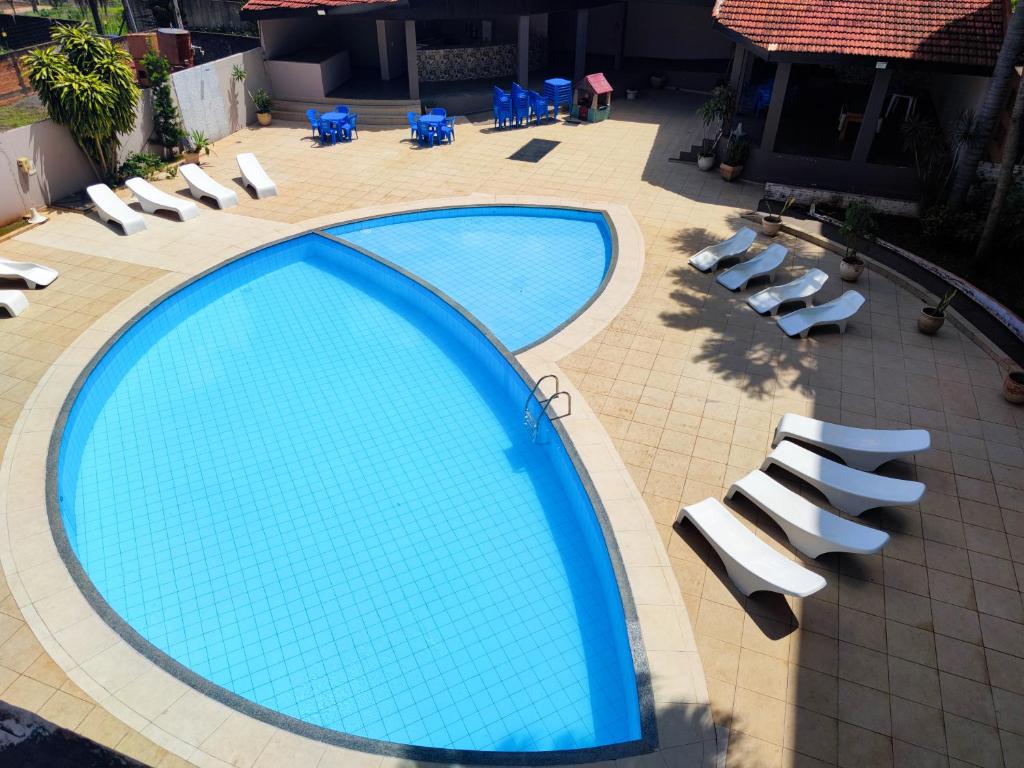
<point>139,164</point>
<point>167,128</point>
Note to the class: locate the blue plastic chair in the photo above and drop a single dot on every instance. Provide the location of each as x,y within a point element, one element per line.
<point>424,135</point>
<point>539,105</point>
<point>341,108</point>
<point>502,113</point>
<point>328,130</point>
<point>439,111</point>
<point>352,125</point>
<point>414,124</point>
<point>449,129</point>
<point>314,121</point>
<point>520,104</point>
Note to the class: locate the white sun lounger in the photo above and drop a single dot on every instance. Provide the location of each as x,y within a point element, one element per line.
<point>110,207</point>
<point>201,185</point>
<point>865,449</point>
<point>765,263</point>
<point>802,289</point>
<point>848,489</point>
<point>751,563</point>
<point>811,529</point>
<point>152,200</point>
<point>14,302</point>
<point>835,312</point>
<point>735,246</point>
<point>254,176</point>
<point>32,274</point>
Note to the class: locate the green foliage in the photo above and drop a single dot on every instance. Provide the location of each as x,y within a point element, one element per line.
<point>163,13</point>
<point>261,99</point>
<point>782,212</point>
<point>736,150</point>
<point>15,115</point>
<point>238,74</point>
<point>139,164</point>
<point>858,224</point>
<point>198,142</point>
<point>87,85</point>
<point>946,300</point>
<point>167,129</point>
<point>714,114</point>
<point>961,229</point>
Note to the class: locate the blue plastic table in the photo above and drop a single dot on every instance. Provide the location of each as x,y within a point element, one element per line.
<point>559,91</point>
<point>338,118</point>
<point>434,120</point>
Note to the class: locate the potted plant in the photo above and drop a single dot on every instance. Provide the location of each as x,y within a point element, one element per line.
<point>260,98</point>
<point>714,113</point>
<point>932,318</point>
<point>736,150</point>
<point>858,225</point>
<point>264,104</point>
<point>772,223</point>
<point>1013,387</point>
<point>197,143</point>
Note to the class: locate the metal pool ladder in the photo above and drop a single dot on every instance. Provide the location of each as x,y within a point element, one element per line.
<point>531,422</point>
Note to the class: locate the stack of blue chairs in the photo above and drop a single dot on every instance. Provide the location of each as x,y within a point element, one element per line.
<point>539,106</point>
<point>520,104</point>
<point>558,92</point>
<point>502,107</point>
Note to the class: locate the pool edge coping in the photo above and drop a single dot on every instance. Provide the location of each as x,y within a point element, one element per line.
<point>83,646</point>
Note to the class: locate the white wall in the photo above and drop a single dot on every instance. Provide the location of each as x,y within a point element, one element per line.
<point>233,96</point>
<point>661,30</point>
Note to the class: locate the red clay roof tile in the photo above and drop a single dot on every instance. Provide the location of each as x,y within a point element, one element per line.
<point>961,32</point>
<point>267,5</point>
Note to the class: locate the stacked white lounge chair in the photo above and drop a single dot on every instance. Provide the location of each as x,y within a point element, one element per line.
<point>797,323</point>
<point>851,487</point>
<point>111,208</point>
<point>33,275</point>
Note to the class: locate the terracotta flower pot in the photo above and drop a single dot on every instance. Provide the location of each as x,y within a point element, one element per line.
<point>263,118</point>
<point>771,225</point>
<point>850,270</point>
<point>930,320</point>
<point>730,172</point>
<point>705,162</point>
<point>1013,387</point>
<point>190,157</point>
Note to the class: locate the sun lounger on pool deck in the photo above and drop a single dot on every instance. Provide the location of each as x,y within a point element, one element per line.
<point>752,564</point>
<point>848,489</point>
<point>32,274</point>
<point>152,200</point>
<point>811,529</point>
<point>765,263</point>
<point>835,312</point>
<point>14,302</point>
<point>110,207</point>
<point>201,185</point>
<point>707,259</point>
<point>254,176</point>
<point>802,289</point>
<point>865,449</point>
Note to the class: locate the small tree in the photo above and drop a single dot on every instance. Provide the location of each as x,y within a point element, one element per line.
<point>167,128</point>
<point>858,224</point>
<point>715,114</point>
<point>87,85</point>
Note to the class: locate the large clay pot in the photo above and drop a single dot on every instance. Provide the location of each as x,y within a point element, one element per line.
<point>190,157</point>
<point>263,118</point>
<point>930,321</point>
<point>771,225</point>
<point>850,270</point>
<point>730,172</point>
<point>1013,387</point>
<point>705,162</point>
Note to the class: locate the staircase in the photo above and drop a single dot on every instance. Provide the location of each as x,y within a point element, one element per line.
<point>389,113</point>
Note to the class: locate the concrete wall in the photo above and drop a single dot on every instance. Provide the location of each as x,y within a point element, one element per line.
<point>397,63</point>
<point>240,109</point>
<point>665,30</point>
<point>283,36</point>
<point>604,29</point>
<point>220,15</point>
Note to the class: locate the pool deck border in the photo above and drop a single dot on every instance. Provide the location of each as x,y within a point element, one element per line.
<point>184,719</point>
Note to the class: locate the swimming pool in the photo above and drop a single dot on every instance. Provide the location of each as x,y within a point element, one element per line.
<point>304,478</point>
<point>522,271</point>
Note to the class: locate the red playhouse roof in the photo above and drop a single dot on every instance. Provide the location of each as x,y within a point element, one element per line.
<point>596,83</point>
<point>311,5</point>
<point>961,32</point>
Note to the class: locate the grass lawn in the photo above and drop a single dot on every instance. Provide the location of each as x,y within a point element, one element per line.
<point>14,115</point>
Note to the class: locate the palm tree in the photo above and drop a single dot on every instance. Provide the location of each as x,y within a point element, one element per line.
<point>1005,180</point>
<point>988,115</point>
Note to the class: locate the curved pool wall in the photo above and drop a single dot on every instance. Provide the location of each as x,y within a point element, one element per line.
<point>632,727</point>
<point>524,272</point>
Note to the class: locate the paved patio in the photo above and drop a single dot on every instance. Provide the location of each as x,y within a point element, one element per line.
<point>914,657</point>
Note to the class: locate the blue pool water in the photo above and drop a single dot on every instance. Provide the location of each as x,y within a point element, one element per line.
<point>521,271</point>
<point>306,479</point>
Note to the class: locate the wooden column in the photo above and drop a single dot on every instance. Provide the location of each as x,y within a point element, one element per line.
<point>873,111</point>
<point>582,20</point>
<point>410,57</point>
<point>523,68</point>
<point>382,50</point>
<point>771,124</point>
